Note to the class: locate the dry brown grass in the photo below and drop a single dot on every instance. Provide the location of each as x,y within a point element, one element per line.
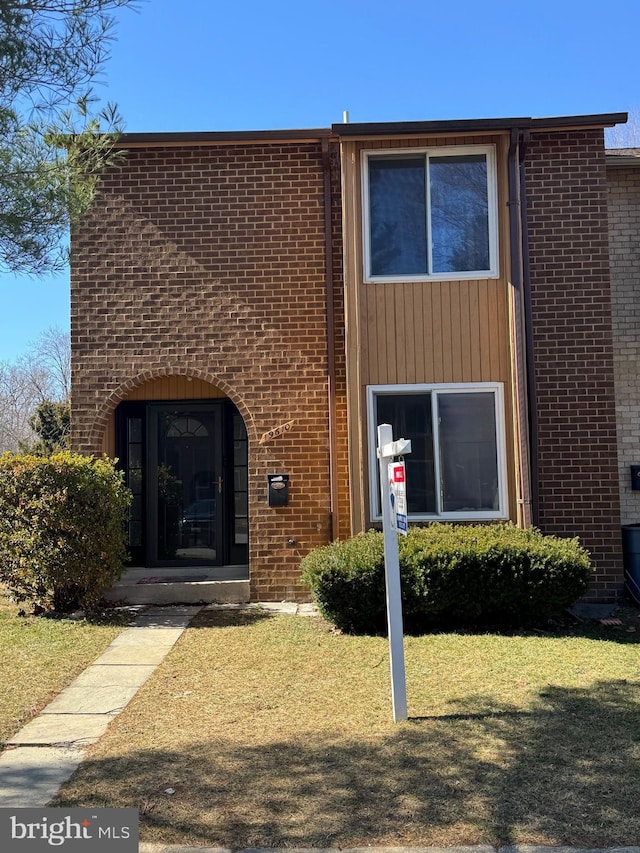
<point>38,657</point>
<point>275,731</point>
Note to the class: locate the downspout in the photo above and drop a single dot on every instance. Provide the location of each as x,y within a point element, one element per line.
<point>331,353</point>
<point>523,367</point>
<point>528,321</point>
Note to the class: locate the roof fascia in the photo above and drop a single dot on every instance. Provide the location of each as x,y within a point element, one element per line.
<point>369,130</point>
<point>461,126</point>
<point>231,137</point>
<point>615,161</point>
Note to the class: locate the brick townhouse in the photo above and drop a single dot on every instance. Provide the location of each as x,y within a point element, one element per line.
<point>247,306</point>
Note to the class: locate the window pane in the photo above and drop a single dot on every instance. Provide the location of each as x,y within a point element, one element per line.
<point>240,481</point>
<point>410,417</point>
<point>134,426</point>
<point>468,452</point>
<point>135,534</point>
<point>135,456</point>
<point>459,213</point>
<point>398,216</point>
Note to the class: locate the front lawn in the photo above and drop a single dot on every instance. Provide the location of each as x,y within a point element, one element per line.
<point>276,732</point>
<point>38,657</point>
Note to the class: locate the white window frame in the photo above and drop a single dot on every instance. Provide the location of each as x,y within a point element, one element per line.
<point>497,388</point>
<point>492,213</point>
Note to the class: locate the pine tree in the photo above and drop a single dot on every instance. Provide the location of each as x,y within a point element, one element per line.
<point>54,140</point>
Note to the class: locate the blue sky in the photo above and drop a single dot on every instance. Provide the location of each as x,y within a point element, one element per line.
<point>205,65</point>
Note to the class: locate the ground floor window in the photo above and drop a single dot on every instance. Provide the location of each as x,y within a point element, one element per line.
<point>457,468</point>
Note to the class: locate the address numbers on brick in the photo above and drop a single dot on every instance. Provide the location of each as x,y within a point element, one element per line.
<point>276,431</point>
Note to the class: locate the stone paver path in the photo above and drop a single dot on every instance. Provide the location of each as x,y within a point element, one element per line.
<point>45,752</point>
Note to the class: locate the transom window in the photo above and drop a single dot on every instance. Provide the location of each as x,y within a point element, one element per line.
<point>430,213</point>
<point>456,469</point>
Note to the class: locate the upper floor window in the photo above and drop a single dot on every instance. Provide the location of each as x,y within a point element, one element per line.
<point>430,213</point>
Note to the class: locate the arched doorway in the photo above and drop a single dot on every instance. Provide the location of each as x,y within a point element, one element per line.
<point>186,463</point>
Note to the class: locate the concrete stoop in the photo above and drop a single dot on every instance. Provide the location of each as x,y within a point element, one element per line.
<point>224,585</point>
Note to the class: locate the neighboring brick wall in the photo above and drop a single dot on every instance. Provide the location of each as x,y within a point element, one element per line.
<point>209,262</point>
<point>624,234</point>
<point>573,351</point>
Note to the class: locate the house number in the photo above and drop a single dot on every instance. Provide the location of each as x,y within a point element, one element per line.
<point>276,431</point>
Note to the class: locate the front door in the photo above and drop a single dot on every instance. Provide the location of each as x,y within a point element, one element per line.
<point>186,464</point>
<point>185,485</point>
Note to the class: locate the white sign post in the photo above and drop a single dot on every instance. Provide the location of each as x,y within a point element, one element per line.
<point>387,450</point>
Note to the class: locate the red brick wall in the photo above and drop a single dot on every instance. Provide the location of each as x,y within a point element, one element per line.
<point>209,262</point>
<point>577,472</point>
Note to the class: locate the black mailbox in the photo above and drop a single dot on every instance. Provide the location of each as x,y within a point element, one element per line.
<point>278,489</point>
<point>635,478</point>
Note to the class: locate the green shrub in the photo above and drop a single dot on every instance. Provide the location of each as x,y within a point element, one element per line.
<point>347,579</point>
<point>452,576</point>
<point>62,529</point>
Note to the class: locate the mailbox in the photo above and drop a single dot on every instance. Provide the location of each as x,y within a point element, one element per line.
<point>278,489</point>
<point>635,478</point>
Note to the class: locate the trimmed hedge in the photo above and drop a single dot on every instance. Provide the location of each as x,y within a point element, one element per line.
<point>452,576</point>
<point>62,529</point>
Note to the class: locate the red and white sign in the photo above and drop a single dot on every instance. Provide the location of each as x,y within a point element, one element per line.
<point>398,496</point>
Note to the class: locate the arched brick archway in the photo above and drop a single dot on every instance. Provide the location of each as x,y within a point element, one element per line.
<point>122,391</point>
<point>182,442</point>
<point>265,394</point>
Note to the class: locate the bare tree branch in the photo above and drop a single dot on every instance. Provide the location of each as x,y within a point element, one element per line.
<point>41,375</point>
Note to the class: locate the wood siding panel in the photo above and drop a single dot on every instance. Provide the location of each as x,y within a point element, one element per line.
<point>484,343</point>
<point>418,340</point>
<point>175,388</point>
<point>474,333</point>
<point>433,328</point>
<point>453,331</point>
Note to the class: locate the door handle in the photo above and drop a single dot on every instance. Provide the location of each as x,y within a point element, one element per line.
<point>219,485</point>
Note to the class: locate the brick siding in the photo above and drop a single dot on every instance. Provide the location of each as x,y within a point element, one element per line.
<point>209,262</point>
<point>573,349</point>
<point>624,233</point>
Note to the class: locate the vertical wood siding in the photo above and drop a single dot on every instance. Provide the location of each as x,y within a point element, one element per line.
<point>175,388</point>
<point>424,331</point>
<point>449,331</point>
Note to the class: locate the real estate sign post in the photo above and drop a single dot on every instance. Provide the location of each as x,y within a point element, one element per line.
<point>394,520</point>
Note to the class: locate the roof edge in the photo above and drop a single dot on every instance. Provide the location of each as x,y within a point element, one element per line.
<point>616,158</point>
<point>477,125</point>
<point>221,136</point>
<point>368,129</point>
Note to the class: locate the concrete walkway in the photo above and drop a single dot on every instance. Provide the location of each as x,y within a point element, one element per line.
<point>45,753</point>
